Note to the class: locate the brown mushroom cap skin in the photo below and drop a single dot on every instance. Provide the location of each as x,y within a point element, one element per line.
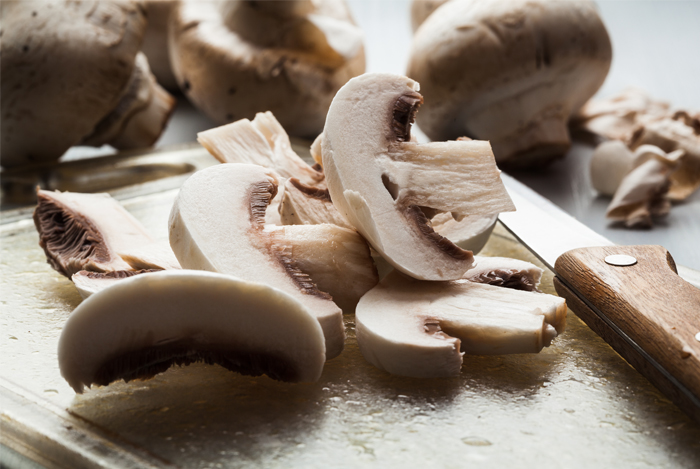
<point>229,77</point>
<point>511,72</point>
<point>55,95</point>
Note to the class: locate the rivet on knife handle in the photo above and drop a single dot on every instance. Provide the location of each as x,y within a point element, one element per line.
<point>648,303</point>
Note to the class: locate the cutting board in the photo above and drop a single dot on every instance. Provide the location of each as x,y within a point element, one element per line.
<point>575,404</point>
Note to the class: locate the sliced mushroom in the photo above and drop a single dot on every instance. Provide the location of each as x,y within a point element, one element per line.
<point>86,231</point>
<point>145,324</point>
<point>75,73</point>
<point>611,162</point>
<point>510,71</point>
<point>261,141</point>
<point>384,184</point>
<point>155,41</point>
<point>505,272</point>
<point>337,260</point>
<point>154,256</point>
<point>421,329</point>
<point>233,59</point>
<point>308,205</point>
<point>670,135</point>
<point>216,224</point>
<point>641,196</point>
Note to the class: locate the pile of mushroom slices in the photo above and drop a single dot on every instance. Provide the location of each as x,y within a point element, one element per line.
<point>652,157</point>
<point>73,70</point>
<point>235,58</point>
<point>510,71</point>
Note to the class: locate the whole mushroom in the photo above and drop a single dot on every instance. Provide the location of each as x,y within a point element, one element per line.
<point>72,73</point>
<point>511,72</point>
<point>234,59</point>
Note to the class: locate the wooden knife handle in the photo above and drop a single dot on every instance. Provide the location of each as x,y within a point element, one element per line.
<point>649,303</point>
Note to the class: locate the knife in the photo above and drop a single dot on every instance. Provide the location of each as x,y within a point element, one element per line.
<point>634,297</point>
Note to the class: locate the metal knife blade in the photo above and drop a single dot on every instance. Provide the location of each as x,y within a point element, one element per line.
<point>646,312</point>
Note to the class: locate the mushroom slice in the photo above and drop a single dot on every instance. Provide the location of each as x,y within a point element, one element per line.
<point>308,205</point>
<point>671,135</point>
<point>157,255</point>
<point>384,184</point>
<point>642,193</point>
<point>86,231</point>
<point>88,282</point>
<point>470,233</point>
<point>505,272</point>
<point>421,329</point>
<point>337,259</point>
<point>261,141</point>
<point>143,325</point>
<point>217,224</point>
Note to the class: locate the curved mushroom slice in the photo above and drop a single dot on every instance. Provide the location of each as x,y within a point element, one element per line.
<point>642,193</point>
<point>261,141</point>
<point>154,256</point>
<point>421,329</point>
<point>308,205</point>
<point>141,326</point>
<point>89,283</point>
<point>505,272</point>
<point>673,134</point>
<point>86,231</point>
<point>382,183</point>
<point>216,224</point>
<point>470,233</point>
<point>337,259</point>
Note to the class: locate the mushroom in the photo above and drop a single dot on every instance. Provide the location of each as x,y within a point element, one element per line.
<point>217,224</point>
<point>512,72</point>
<point>384,184</point>
<point>336,259</point>
<point>421,329</point>
<point>308,205</point>
<point>155,41</point>
<point>76,78</point>
<point>89,283</point>
<point>86,232</point>
<point>421,9</point>
<point>611,162</point>
<point>143,325</point>
<point>505,272</point>
<point>233,59</point>
<point>642,193</point>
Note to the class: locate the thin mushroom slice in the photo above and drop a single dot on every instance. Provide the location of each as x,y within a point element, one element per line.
<point>384,184</point>
<point>86,231</point>
<point>217,224</point>
<point>421,329</point>
<point>89,283</point>
<point>337,259</point>
<point>145,324</point>
<point>308,205</point>
<point>261,141</point>
<point>157,255</point>
<point>505,272</point>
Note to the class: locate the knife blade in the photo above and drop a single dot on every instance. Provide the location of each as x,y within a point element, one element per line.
<point>634,297</point>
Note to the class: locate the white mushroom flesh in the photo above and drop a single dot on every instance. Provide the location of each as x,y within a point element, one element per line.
<point>216,224</point>
<point>142,325</point>
<point>381,182</point>
<point>421,329</point>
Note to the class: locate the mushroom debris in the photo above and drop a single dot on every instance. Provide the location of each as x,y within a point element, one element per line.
<point>388,187</point>
<point>143,325</point>
<point>77,75</point>
<point>651,159</point>
<point>511,71</point>
<point>233,59</point>
<point>421,329</point>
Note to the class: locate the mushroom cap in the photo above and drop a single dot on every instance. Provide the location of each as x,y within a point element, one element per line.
<point>70,62</point>
<point>217,224</point>
<point>511,71</point>
<point>142,325</point>
<point>421,329</point>
<point>383,183</point>
<point>234,59</point>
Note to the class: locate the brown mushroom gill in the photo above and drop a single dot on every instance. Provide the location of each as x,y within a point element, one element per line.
<point>147,362</point>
